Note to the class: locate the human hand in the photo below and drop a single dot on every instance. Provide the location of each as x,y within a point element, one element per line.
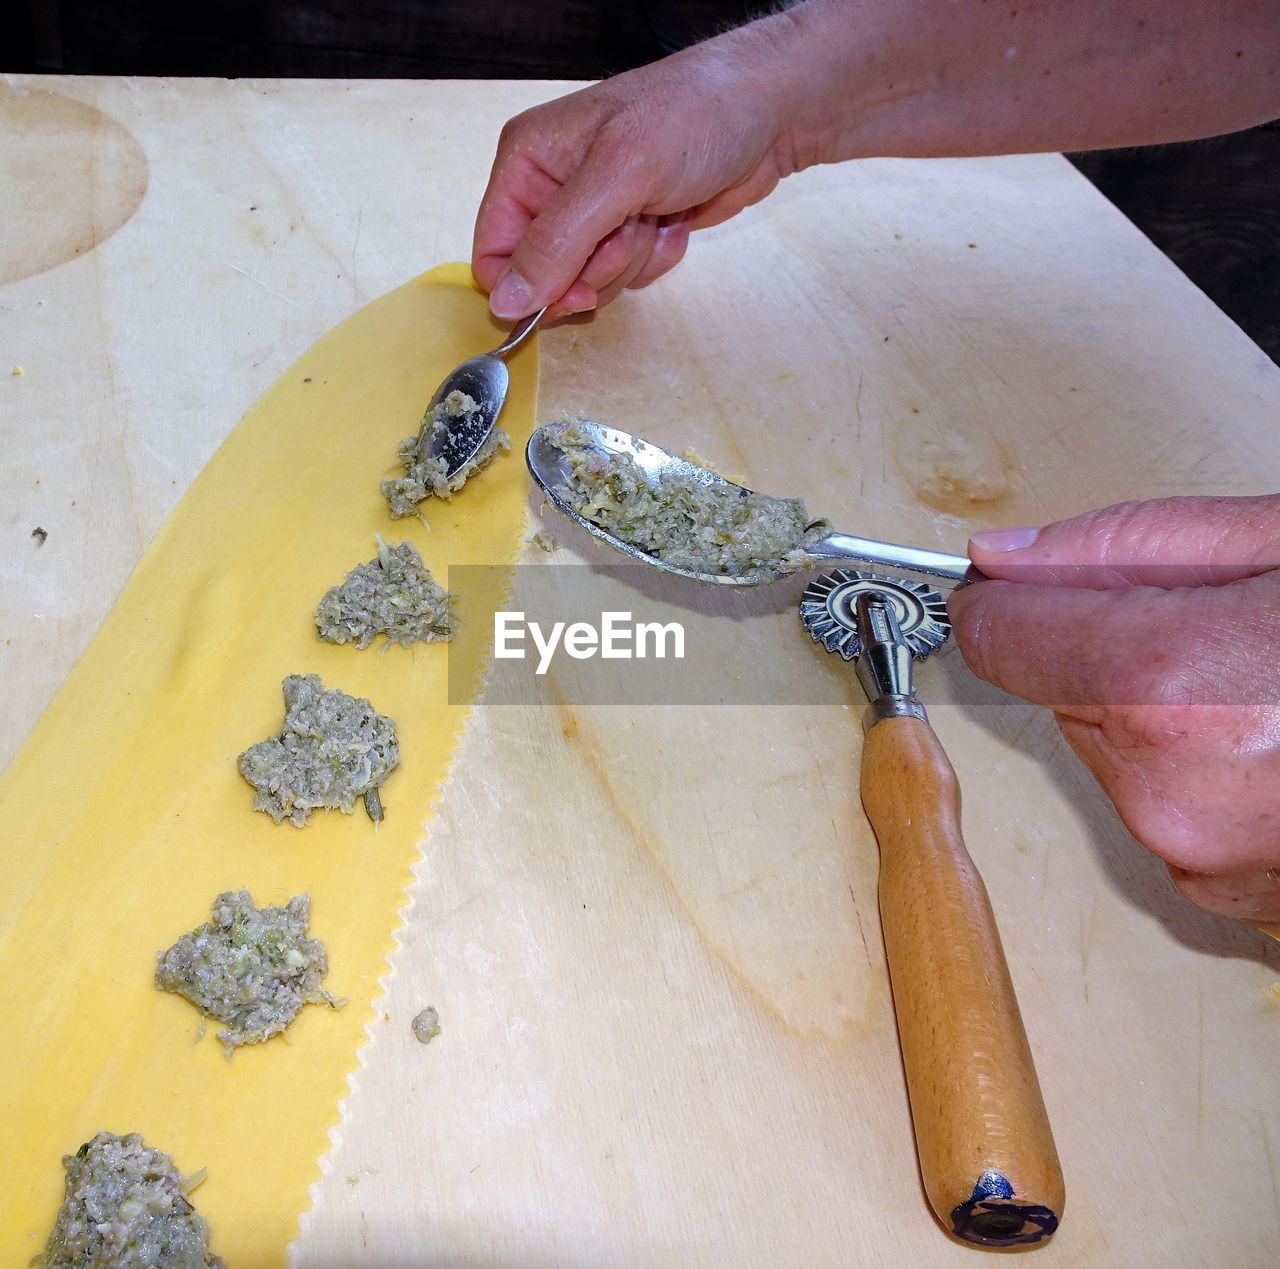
<point>598,191</point>
<point>1152,630</point>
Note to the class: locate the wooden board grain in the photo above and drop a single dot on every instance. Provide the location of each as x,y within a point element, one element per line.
<point>650,929</point>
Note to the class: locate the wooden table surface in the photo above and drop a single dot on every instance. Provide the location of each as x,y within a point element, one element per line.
<point>651,929</point>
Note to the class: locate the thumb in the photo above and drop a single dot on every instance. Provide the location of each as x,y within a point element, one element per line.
<point>595,200</point>
<point>1080,650</point>
<point>1166,542</point>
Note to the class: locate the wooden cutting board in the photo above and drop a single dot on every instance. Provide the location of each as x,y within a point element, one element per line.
<point>650,929</point>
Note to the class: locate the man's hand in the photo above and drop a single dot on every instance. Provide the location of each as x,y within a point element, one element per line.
<point>1152,630</point>
<point>598,191</point>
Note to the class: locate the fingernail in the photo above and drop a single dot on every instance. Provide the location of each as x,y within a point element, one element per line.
<point>557,311</point>
<point>512,297</point>
<point>1004,539</point>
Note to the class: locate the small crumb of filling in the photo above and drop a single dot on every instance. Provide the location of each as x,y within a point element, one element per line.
<point>426,1026</point>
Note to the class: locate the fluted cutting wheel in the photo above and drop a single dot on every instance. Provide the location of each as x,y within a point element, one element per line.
<point>828,612</point>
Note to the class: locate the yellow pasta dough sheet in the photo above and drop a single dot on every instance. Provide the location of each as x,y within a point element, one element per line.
<point>124,814</point>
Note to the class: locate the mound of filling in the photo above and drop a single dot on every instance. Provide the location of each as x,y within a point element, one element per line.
<point>126,1205</point>
<point>711,528</point>
<point>393,595</point>
<point>332,749</point>
<point>426,1025</point>
<point>427,477</point>
<point>250,968</point>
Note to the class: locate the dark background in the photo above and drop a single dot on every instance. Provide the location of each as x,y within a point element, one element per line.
<point>1212,206</point>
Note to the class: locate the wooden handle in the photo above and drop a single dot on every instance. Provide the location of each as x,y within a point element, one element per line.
<point>986,1150</point>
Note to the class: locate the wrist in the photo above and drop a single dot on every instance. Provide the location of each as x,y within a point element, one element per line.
<point>831,73</point>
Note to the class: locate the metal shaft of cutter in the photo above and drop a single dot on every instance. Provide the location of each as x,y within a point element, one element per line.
<point>884,668</point>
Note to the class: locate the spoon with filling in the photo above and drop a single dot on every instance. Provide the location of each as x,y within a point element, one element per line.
<point>681,517</point>
<point>456,438</point>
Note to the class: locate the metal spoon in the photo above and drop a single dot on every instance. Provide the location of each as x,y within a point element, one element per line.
<point>549,466</point>
<point>485,379</point>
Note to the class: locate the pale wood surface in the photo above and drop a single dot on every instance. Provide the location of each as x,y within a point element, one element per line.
<point>651,931</point>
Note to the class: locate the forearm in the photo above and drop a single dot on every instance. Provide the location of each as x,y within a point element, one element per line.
<point>857,78</point>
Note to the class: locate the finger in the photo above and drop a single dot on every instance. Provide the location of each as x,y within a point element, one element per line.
<point>758,184</point>
<point>1190,832</point>
<point>615,257</point>
<point>646,236</point>
<point>557,243</point>
<point>610,269</point>
<point>1046,643</point>
<point>1252,896</point>
<point>538,150</point>
<point>518,189</point>
<point>1167,542</point>
<point>579,298</point>
<point>1182,788</point>
<point>668,250</point>
<point>1079,650</point>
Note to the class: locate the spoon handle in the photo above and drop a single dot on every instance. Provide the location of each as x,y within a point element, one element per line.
<point>986,1150</point>
<point>519,333</point>
<point>915,560</point>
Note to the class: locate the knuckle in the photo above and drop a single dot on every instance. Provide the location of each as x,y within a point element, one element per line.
<point>1115,534</point>
<point>617,248</point>
<point>515,130</point>
<point>1096,533</point>
<point>671,251</point>
<point>1163,682</point>
<point>617,137</point>
<point>1139,733</point>
<point>1183,653</point>
<point>668,253</point>
<point>544,245</point>
<point>624,151</point>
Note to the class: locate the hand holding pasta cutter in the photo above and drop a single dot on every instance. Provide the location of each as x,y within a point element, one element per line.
<point>986,1149</point>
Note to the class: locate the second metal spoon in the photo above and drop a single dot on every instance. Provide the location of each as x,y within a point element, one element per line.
<point>549,466</point>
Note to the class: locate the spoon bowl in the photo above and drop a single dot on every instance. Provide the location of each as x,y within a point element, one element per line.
<point>549,466</point>
<point>485,379</point>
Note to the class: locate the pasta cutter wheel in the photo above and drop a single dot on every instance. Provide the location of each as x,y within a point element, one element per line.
<point>828,609</point>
